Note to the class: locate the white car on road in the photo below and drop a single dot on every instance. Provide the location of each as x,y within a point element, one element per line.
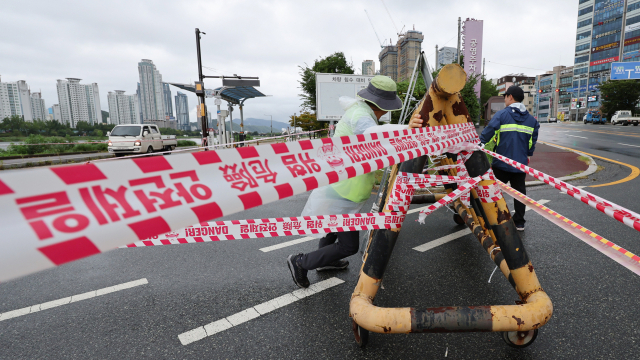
<point>624,117</point>
<point>138,139</point>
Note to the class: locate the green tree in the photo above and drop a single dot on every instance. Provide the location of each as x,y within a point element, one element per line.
<point>334,64</point>
<point>619,95</point>
<point>307,122</point>
<point>488,90</point>
<point>468,95</point>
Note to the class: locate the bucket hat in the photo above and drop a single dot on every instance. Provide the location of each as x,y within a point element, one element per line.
<point>382,92</point>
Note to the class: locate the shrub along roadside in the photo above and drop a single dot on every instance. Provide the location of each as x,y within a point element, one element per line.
<point>186,143</point>
<point>59,145</point>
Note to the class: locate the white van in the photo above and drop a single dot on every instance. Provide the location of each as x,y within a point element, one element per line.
<point>139,139</point>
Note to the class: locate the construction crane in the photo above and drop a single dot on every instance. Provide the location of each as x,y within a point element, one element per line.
<point>393,22</point>
<point>374,29</point>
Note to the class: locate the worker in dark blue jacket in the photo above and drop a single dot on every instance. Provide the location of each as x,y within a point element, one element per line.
<point>515,133</point>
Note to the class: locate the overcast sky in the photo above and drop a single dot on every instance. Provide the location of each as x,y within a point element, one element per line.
<point>102,41</point>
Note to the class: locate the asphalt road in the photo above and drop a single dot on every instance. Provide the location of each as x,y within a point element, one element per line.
<point>595,299</point>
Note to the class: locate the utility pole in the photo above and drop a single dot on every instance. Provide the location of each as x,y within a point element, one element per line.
<point>459,62</point>
<point>271,116</point>
<point>483,65</point>
<point>202,114</point>
<point>437,57</point>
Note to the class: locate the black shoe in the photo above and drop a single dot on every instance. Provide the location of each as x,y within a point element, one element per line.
<point>336,265</point>
<point>297,272</point>
<point>520,227</point>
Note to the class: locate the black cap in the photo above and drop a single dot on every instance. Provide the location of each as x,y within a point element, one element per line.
<point>516,92</point>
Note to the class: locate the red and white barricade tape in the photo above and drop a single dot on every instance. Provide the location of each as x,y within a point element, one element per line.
<point>462,189</point>
<point>59,214</point>
<point>613,251</point>
<point>406,183</point>
<point>489,194</point>
<point>263,228</point>
<point>615,211</point>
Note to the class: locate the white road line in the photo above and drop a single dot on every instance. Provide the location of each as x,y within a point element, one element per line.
<point>456,235</point>
<point>581,137</point>
<point>443,240</point>
<point>215,327</point>
<point>287,243</point>
<point>628,145</point>
<point>71,299</point>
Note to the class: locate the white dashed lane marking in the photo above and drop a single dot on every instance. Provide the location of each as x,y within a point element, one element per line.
<point>456,235</point>
<point>287,243</point>
<point>628,145</point>
<point>243,316</point>
<point>71,299</point>
<point>441,241</point>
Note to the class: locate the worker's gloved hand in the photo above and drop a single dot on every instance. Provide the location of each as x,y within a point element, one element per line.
<point>416,121</point>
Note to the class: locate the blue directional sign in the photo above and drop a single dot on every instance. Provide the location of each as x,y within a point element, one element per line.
<point>625,70</point>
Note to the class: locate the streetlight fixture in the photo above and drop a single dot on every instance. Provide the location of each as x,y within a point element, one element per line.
<point>271,116</point>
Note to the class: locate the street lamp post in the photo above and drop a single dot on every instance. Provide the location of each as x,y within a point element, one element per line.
<point>271,116</point>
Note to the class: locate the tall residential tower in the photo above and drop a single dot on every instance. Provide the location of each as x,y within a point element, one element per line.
<point>151,91</point>
<point>123,109</point>
<point>182,112</point>
<point>78,102</point>
<point>15,99</point>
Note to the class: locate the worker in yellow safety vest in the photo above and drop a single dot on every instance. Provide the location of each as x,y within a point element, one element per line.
<point>515,133</point>
<point>347,196</point>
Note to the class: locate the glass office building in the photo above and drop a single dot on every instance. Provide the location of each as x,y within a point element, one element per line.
<point>607,31</point>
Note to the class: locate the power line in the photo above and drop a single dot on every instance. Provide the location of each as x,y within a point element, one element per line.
<point>443,45</point>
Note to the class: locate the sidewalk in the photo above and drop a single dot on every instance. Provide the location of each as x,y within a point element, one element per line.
<point>556,162</point>
<point>553,161</point>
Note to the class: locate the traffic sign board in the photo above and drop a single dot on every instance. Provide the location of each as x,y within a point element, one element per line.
<point>625,70</point>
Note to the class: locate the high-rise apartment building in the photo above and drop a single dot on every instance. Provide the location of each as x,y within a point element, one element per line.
<point>368,67</point>
<point>15,99</point>
<point>38,108</point>
<point>409,46</point>
<point>78,102</point>
<point>151,92</point>
<point>123,109</point>
<point>607,31</point>
<point>56,112</point>
<point>182,111</point>
<point>166,97</point>
<point>389,61</point>
<point>447,55</point>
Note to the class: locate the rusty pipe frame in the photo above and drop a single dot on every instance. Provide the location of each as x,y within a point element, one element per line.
<point>443,105</point>
<point>427,198</point>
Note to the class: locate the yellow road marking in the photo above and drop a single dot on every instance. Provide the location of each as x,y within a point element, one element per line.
<point>609,133</point>
<point>635,172</point>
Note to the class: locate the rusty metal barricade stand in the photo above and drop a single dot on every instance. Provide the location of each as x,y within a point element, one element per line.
<point>490,222</point>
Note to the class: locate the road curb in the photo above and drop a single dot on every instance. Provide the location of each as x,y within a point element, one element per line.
<point>593,167</point>
<point>52,161</point>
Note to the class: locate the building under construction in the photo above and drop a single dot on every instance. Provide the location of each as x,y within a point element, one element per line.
<point>397,61</point>
<point>389,61</point>
<point>409,46</point>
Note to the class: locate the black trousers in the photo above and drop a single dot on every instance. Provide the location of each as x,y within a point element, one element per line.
<point>329,250</point>
<point>517,182</point>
